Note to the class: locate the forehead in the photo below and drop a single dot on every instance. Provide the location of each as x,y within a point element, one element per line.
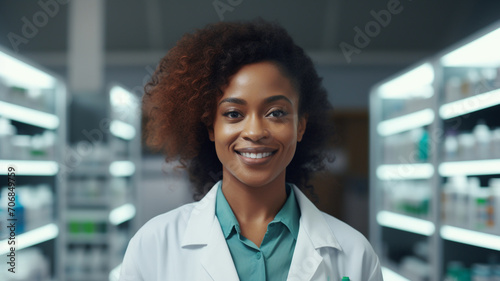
<point>260,79</point>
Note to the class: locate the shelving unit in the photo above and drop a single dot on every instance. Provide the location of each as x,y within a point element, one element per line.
<point>101,202</point>
<point>435,168</point>
<point>32,140</point>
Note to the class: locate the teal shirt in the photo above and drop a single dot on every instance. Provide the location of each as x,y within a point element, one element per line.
<point>272,260</point>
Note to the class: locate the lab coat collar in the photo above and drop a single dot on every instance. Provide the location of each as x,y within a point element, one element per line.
<point>311,219</point>
<point>202,217</point>
<point>203,229</point>
<point>313,222</point>
<point>314,233</point>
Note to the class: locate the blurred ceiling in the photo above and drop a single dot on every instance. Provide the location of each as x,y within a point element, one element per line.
<point>138,32</point>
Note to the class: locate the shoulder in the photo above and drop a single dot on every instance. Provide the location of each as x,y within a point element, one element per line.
<point>350,239</point>
<point>342,230</point>
<point>356,248</point>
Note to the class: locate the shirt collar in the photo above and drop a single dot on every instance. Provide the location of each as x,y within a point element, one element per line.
<point>224,213</point>
<point>289,214</point>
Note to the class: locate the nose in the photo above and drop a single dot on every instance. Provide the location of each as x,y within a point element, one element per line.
<point>255,129</point>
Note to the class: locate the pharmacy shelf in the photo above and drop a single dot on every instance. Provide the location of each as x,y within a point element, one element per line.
<point>109,183</point>
<point>463,168</point>
<point>470,104</point>
<point>30,167</point>
<point>122,168</point>
<point>406,122</point>
<point>29,116</point>
<point>405,171</point>
<point>31,238</point>
<point>32,100</point>
<point>470,237</point>
<point>464,88</point>
<point>122,130</point>
<point>122,214</point>
<point>405,223</point>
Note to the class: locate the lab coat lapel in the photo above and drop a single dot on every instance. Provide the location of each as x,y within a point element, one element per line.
<point>204,234</point>
<point>217,259</point>
<point>305,260</point>
<point>314,233</point>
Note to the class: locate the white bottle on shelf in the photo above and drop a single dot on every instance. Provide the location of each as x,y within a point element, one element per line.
<point>495,143</point>
<point>452,89</point>
<point>450,146</point>
<point>470,83</point>
<point>6,133</point>
<point>466,143</point>
<point>482,135</point>
<point>462,199</point>
<point>448,201</point>
<point>473,186</point>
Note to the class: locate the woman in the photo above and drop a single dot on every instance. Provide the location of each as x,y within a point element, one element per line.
<point>242,107</point>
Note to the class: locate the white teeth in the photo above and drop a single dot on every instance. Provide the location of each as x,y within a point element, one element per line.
<point>256,155</point>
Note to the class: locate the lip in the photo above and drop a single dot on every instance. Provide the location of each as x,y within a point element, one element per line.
<point>256,161</point>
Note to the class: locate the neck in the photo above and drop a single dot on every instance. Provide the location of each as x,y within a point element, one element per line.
<point>254,204</point>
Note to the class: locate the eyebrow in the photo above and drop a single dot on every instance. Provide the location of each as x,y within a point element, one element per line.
<point>267,100</point>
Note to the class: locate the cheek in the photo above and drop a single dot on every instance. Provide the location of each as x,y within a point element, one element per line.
<point>287,136</point>
<point>224,135</point>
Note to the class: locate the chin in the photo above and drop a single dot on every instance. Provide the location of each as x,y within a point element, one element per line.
<point>256,181</point>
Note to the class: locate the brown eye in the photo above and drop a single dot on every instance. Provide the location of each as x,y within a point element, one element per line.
<point>278,113</point>
<point>232,114</point>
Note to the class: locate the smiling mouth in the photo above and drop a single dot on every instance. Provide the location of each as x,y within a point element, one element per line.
<point>256,155</point>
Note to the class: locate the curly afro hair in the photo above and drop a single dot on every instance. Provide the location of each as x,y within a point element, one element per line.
<point>180,99</point>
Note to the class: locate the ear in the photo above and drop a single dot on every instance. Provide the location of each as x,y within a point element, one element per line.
<point>301,127</point>
<point>211,133</point>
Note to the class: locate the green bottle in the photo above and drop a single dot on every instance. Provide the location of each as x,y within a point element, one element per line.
<point>345,278</point>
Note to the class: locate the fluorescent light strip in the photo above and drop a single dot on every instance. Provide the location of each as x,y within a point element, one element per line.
<point>404,86</point>
<point>29,116</point>
<point>405,171</point>
<point>119,97</point>
<point>114,274</point>
<point>32,237</point>
<point>406,122</point>
<point>390,275</point>
<point>122,130</point>
<point>479,167</point>
<point>405,223</point>
<point>122,168</point>
<point>470,104</point>
<point>470,237</point>
<point>122,214</point>
<point>480,52</point>
<point>30,168</point>
<point>20,73</point>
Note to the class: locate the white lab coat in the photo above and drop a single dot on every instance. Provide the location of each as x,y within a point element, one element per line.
<point>187,244</point>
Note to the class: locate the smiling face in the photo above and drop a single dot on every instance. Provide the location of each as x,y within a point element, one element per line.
<point>257,126</point>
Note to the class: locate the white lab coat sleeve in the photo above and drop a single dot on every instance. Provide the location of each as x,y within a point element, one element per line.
<point>357,259</point>
<point>371,270</point>
<point>376,274</point>
<point>133,261</point>
<point>373,262</point>
<point>143,251</point>
<point>130,269</point>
